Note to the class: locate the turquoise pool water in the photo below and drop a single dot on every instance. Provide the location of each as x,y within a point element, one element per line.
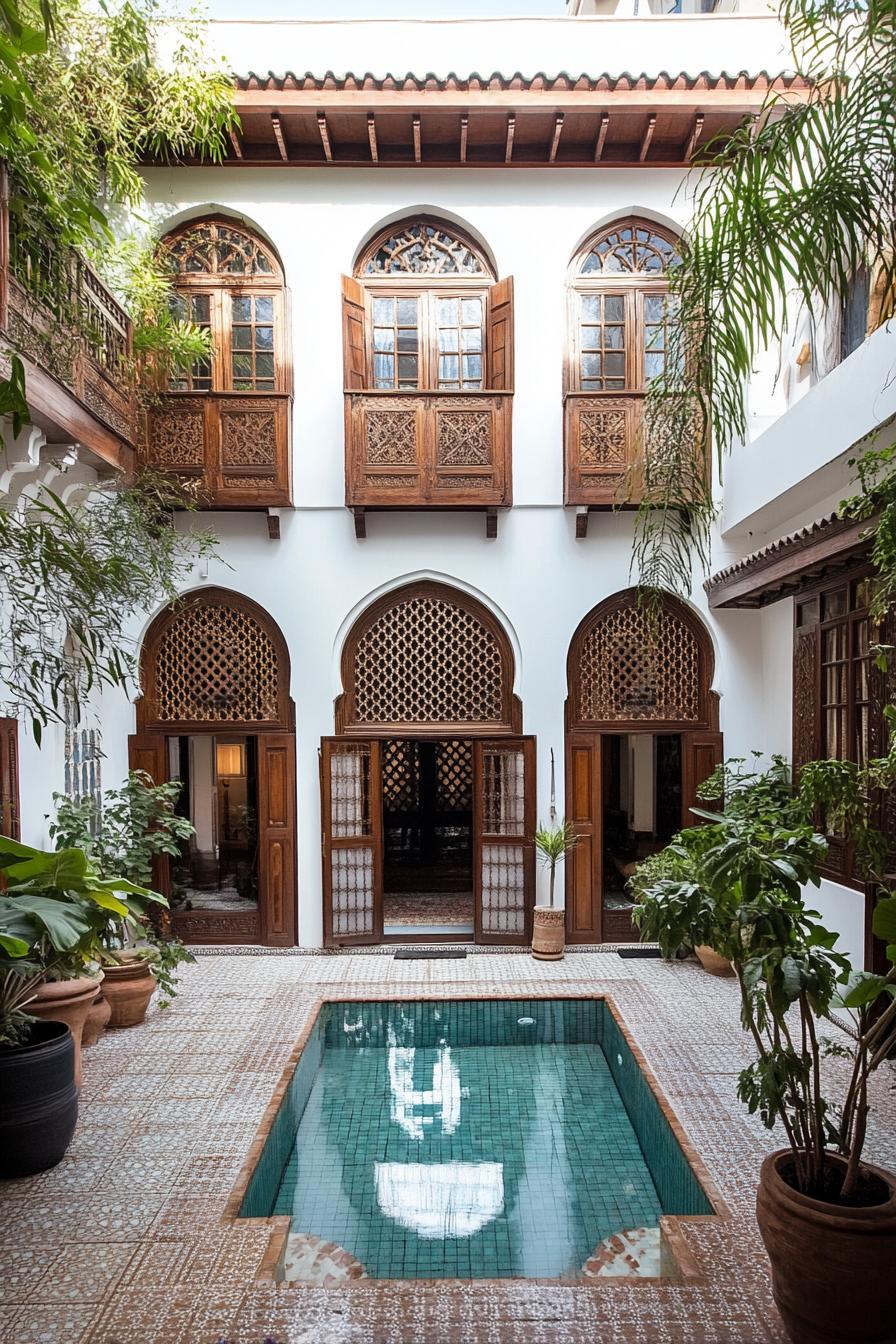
<point>470,1139</point>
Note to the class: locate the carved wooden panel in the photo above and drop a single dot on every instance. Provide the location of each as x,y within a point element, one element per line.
<point>423,657</point>
<point>220,248</point>
<point>422,448</point>
<point>627,666</point>
<point>236,446</point>
<point>806,745</point>
<point>423,247</point>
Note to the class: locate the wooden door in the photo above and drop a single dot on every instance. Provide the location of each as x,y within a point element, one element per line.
<point>148,752</point>
<point>584,866</point>
<point>701,752</point>
<point>277,838</point>
<point>9,778</point>
<point>352,823</point>
<point>503,850</point>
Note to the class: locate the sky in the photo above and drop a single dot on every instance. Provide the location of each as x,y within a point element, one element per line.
<point>382,9</point>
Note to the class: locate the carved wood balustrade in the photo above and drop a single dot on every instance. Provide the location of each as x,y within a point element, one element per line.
<point>427,449</point>
<point>233,445</point>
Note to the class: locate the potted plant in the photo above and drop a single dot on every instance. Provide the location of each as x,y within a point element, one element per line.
<point>135,825</point>
<point>827,1217</point>
<point>52,907</point>
<point>552,844</point>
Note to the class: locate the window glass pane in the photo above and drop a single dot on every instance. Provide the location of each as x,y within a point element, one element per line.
<point>807,612</point>
<point>654,308</point>
<point>384,312</point>
<point>833,604</point>
<point>591,366</point>
<point>383,338</point>
<point>472,339</point>
<point>264,365</point>
<point>242,338</point>
<point>242,309</point>
<point>447,312</point>
<point>448,368</point>
<point>459,327</point>
<point>195,308</point>
<point>407,340</point>
<point>602,343</point>
<point>591,308</point>
<point>407,312</point>
<point>264,338</point>
<point>242,366</point>
<point>264,309</point>
<point>383,370</point>
<point>472,367</point>
<point>407,367</point>
<point>471,311</point>
<point>614,308</point>
<point>448,339</point>
<point>614,365</point>
<point>653,366</point>
<point>614,338</point>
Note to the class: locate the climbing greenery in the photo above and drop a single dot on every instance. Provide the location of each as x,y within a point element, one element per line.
<point>73,577</point>
<point>785,213</point>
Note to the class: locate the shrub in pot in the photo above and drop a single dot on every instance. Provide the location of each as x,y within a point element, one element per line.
<point>52,908</point>
<point>827,1218</point>
<point>552,844</point>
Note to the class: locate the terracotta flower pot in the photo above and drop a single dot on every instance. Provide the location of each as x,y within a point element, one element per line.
<point>97,1021</point>
<point>128,988</point>
<point>548,933</point>
<point>67,1001</point>
<point>712,962</point>
<point>832,1264</point>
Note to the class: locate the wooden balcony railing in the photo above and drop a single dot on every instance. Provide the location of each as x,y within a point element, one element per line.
<point>606,443</point>
<point>75,339</point>
<point>427,449</point>
<point>233,445</point>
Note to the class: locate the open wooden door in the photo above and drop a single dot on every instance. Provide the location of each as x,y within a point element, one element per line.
<point>147,751</point>
<point>584,866</point>
<point>503,851</point>
<point>351,817</point>
<point>277,838</point>
<point>701,753</point>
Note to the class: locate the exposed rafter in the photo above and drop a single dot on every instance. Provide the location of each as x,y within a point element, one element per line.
<point>325,136</point>
<point>277,128</point>
<point>418,141</point>
<point>601,136</point>
<point>508,143</point>
<point>694,137</point>
<point>647,137</point>
<point>464,128</point>
<point>555,141</point>
<point>371,138</point>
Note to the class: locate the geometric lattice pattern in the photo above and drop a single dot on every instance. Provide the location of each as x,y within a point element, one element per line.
<point>454,776</point>
<point>426,660</point>
<point>401,776</point>
<point>215,664</point>
<point>211,248</point>
<point>422,249</point>
<point>630,670</point>
<point>631,248</point>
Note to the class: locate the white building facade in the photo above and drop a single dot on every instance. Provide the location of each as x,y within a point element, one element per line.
<point>390,696</point>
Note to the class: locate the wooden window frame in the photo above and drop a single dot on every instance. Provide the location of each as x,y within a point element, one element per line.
<point>428,346</point>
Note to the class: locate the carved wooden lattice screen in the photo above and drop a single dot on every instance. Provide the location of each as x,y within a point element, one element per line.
<point>352,807</point>
<point>215,663</point>
<point>504,857</point>
<point>629,670</point>
<point>427,659</point>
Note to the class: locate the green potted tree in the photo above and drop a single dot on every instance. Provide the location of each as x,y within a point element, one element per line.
<point>135,825</point>
<point>827,1217</point>
<point>552,844</point>
<point>53,907</point>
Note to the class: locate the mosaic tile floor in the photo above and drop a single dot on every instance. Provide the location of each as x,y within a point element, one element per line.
<point>125,1241</point>
<point>428,908</point>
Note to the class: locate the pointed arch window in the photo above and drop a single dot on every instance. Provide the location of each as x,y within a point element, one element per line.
<point>621,312</point>
<point>229,282</point>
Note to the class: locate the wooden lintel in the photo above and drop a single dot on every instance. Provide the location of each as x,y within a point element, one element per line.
<point>694,137</point>
<point>418,144</point>
<point>508,143</point>
<point>277,128</point>
<point>581,521</point>
<point>371,137</point>
<point>647,137</point>
<point>793,565</point>
<point>491,523</point>
<point>325,136</point>
<point>360,523</point>
<point>273,524</point>
<point>236,143</point>
<point>555,141</point>
<point>737,101</point>
<point>464,127</point>
<point>601,136</point>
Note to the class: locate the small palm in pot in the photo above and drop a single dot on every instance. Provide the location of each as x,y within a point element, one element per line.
<point>552,844</point>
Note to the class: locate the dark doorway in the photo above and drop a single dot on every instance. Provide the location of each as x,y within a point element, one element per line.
<point>427,838</point>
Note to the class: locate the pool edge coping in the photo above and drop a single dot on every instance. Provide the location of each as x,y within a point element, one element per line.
<point>691,1271</point>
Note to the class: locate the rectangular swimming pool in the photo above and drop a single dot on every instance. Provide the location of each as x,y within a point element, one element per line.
<point>470,1139</point>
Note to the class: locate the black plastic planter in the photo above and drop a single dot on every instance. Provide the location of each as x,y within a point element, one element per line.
<point>38,1101</point>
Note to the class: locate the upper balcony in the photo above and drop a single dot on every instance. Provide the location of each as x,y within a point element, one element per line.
<point>74,339</point>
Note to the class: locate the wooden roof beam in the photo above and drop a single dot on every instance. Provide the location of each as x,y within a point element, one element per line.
<point>371,138</point>
<point>647,137</point>
<point>555,141</point>
<point>694,137</point>
<point>325,136</point>
<point>464,127</point>
<point>601,136</point>
<point>508,143</point>
<point>277,128</point>
<point>418,142</point>
<point>236,143</point>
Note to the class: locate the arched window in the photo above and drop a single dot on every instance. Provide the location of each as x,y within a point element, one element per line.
<point>230,283</point>
<point>428,314</point>
<point>620,307</point>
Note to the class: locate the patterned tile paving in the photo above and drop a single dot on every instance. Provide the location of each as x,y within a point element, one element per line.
<point>126,1242</point>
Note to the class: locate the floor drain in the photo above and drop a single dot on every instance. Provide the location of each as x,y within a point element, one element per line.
<point>639,952</point>
<point>430,954</point>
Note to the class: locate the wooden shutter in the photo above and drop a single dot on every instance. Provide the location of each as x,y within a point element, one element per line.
<point>806,717</point>
<point>701,753</point>
<point>503,826</point>
<point>584,866</point>
<point>354,335</point>
<point>10,821</point>
<point>499,337</point>
<point>277,837</point>
<point>351,801</point>
<point>148,751</point>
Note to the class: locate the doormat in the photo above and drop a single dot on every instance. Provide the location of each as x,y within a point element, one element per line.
<point>428,953</point>
<point>638,952</point>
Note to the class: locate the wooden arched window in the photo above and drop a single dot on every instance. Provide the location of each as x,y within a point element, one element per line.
<point>427,659</point>
<point>229,282</point>
<point>215,658</point>
<point>629,669</point>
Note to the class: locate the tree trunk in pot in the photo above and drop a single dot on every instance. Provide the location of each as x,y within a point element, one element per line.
<point>832,1266</point>
<point>128,988</point>
<point>67,1001</point>
<point>548,933</point>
